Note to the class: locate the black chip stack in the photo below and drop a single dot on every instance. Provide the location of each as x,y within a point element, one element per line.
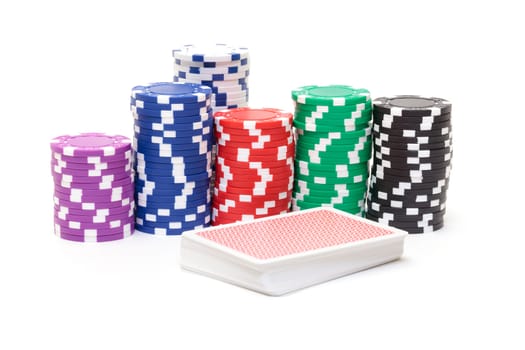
<point>412,138</point>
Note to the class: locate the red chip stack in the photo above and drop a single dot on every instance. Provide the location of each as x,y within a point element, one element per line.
<point>254,166</point>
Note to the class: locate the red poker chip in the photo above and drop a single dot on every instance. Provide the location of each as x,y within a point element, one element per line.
<point>247,172</point>
<point>252,200</point>
<point>253,190</point>
<point>229,137</point>
<point>256,145</point>
<point>255,159</point>
<point>251,210</point>
<point>287,162</point>
<point>253,118</point>
<point>219,218</point>
<point>246,198</point>
<point>273,153</point>
<point>272,181</point>
<point>275,132</point>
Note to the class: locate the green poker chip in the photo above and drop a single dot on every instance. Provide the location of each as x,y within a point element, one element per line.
<point>308,108</point>
<point>331,180</point>
<point>332,157</point>
<point>339,199</point>
<point>328,189</point>
<point>342,127</point>
<point>329,168</point>
<point>304,146</point>
<point>352,209</point>
<point>330,95</point>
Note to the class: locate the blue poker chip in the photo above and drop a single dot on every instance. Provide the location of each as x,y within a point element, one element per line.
<point>194,167</point>
<point>174,179</point>
<point>139,156</point>
<point>185,218</point>
<point>153,206</point>
<point>182,116</point>
<point>172,151</point>
<point>224,96</point>
<point>209,83</point>
<point>241,62</point>
<point>176,203</point>
<point>171,170</point>
<point>189,149</point>
<point>168,188</point>
<point>173,133</point>
<point>204,70</point>
<point>167,231</point>
<point>183,142</point>
<point>200,187</point>
<point>171,92</point>
<point>213,77</point>
<point>170,107</point>
<point>212,53</point>
<point>158,125</point>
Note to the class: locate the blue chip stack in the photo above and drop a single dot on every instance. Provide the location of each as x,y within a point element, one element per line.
<point>172,143</point>
<point>225,69</point>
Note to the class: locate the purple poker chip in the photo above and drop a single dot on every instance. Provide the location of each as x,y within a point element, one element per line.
<point>93,236</point>
<point>91,172</point>
<point>90,166</point>
<point>91,179</point>
<point>110,225</point>
<point>96,185</point>
<point>93,198</point>
<point>93,205</point>
<point>126,228</point>
<point>90,144</point>
<point>95,192</point>
<point>78,213</point>
<point>95,218</point>
<point>92,159</point>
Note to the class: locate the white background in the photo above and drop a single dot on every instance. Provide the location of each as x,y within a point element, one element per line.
<point>68,67</point>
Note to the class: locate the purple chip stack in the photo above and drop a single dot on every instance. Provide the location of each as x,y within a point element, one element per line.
<point>94,199</point>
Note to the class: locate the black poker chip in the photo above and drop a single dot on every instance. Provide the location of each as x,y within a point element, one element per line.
<point>403,165</point>
<point>412,105</point>
<point>411,227</point>
<point>380,118</point>
<point>405,145</point>
<point>410,196</point>
<point>384,151</point>
<point>423,139</point>
<point>399,216</point>
<point>413,131</point>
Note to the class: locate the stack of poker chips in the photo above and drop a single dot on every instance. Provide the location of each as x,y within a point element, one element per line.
<point>333,147</point>
<point>93,187</point>
<point>172,142</point>
<point>412,162</point>
<point>221,67</point>
<point>254,167</point>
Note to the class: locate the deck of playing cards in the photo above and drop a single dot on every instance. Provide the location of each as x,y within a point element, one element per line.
<point>280,254</point>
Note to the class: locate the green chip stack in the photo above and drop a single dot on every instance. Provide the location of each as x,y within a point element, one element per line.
<point>334,146</point>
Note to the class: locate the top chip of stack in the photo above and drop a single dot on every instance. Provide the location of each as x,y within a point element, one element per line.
<point>172,141</point>
<point>254,168</point>
<point>93,187</point>
<point>223,68</point>
<point>412,162</point>
<point>333,147</point>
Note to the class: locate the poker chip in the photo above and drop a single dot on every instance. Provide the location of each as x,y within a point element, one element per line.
<point>93,192</point>
<point>254,168</point>
<point>334,143</point>
<point>172,160</point>
<point>412,160</point>
<point>223,68</point>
